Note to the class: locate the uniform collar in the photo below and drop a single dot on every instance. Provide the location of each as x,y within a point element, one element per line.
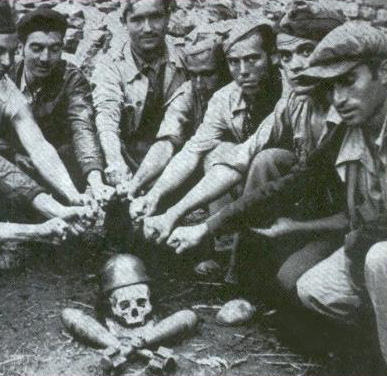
<point>171,56</point>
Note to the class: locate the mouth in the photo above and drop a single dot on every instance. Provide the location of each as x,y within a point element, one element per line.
<point>249,84</point>
<point>149,38</point>
<point>43,69</point>
<point>347,113</point>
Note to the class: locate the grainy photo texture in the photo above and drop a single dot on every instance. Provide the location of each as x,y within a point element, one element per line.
<point>193,187</point>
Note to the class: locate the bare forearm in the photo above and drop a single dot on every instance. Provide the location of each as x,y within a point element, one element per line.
<point>17,232</point>
<point>47,206</point>
<point>111,147</point>
<point>176,173</point>
<point>154,163</point>
<point>219,180</point>
<point>337,222</point>
<point>53,171</point>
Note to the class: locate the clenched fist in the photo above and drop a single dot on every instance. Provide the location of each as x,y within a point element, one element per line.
<point>184,238</point>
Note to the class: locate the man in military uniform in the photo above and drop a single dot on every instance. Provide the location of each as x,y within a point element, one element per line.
<point>207,68</point>
<point>297,125</point>
<point>232,116</point>
<point>134,89</point>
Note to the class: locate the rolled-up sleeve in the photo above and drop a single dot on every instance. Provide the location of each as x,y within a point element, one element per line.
<point>108,96</point>
<point>212,130</point>
<point>178,119</point>
<point>81,118</point>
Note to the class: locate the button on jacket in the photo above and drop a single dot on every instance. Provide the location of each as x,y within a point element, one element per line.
<point>121,90</point>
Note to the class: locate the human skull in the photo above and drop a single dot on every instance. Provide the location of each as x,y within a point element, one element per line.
<point>131,304</point>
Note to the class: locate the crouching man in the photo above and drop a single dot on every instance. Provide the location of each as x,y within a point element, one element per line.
<point>352,60</point>
<point>19,193</point>
<point>207,68</point>
<point>233,114</point>
<point>61,101</point>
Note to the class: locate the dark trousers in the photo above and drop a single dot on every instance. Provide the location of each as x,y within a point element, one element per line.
<point>287,258</point>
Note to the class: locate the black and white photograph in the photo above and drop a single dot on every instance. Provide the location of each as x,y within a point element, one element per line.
<point>193,187</point>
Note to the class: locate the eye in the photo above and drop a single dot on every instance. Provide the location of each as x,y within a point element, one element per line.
<point>252,59</point>
<point>125,304</point>
<point>155,17</point>
<point>285,56</point>
<point>36,48</point>
<point>141,302</point>
<point>306,51</point>
<point>56,48</point>
<point>233,62</point>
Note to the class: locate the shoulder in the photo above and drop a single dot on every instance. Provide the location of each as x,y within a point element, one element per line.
<point>226,91</point>
<point>175,54</point>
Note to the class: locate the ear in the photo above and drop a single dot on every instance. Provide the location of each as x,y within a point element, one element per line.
<point>383,72</point>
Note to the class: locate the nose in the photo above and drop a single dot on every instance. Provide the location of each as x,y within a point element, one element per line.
<point>296,64</point>
<point>243,69</point>
<point>44,55</point>
<point>339,96</point>
<point>146,25</point>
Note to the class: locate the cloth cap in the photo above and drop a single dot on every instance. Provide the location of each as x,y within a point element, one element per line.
<point>41,19</point>
<point>242,27</point>
<point>311,19</point>
<point>206,49</point>
<point>344,48</point>
<point>224,6</point>
<point>7,23</point>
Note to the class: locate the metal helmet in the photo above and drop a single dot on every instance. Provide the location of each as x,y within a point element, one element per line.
<point>122,270</point>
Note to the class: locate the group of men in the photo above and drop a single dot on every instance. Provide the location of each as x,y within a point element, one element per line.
<point>167,130</point>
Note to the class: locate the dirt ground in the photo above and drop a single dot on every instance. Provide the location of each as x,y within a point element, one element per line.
<point>34,342</point>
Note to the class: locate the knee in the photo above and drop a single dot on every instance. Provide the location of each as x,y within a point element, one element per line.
<point>376,258</point>
<point>287,282</point>
<point>304,290</point>
<point>269,157</point>
<point>216,155</point>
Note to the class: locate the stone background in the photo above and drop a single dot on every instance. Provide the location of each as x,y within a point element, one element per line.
<point>95,27</point>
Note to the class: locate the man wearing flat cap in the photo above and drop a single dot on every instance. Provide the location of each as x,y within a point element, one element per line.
<point>61,100</point>
<point>21,195</point>
<point>206,65</point>
<point>352,62</point>
<point>291,132</point>
<point>233,114</point>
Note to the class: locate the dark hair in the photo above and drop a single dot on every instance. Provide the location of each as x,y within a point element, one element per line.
<point>169,6</point>
<point>41,19</point>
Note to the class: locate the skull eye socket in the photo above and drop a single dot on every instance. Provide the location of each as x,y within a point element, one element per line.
<point>141,302</point>
<point>125,304</point>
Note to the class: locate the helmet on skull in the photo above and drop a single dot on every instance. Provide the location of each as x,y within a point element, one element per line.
<point>122,270</point>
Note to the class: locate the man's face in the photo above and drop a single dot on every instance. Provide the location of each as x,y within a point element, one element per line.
<point>42,50</point>
<point>295,57</point>
<point>205,76</point>
<point>8,46</point>
<point>249,64</point>
<point>147,24</point>
<point>358,95</point>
